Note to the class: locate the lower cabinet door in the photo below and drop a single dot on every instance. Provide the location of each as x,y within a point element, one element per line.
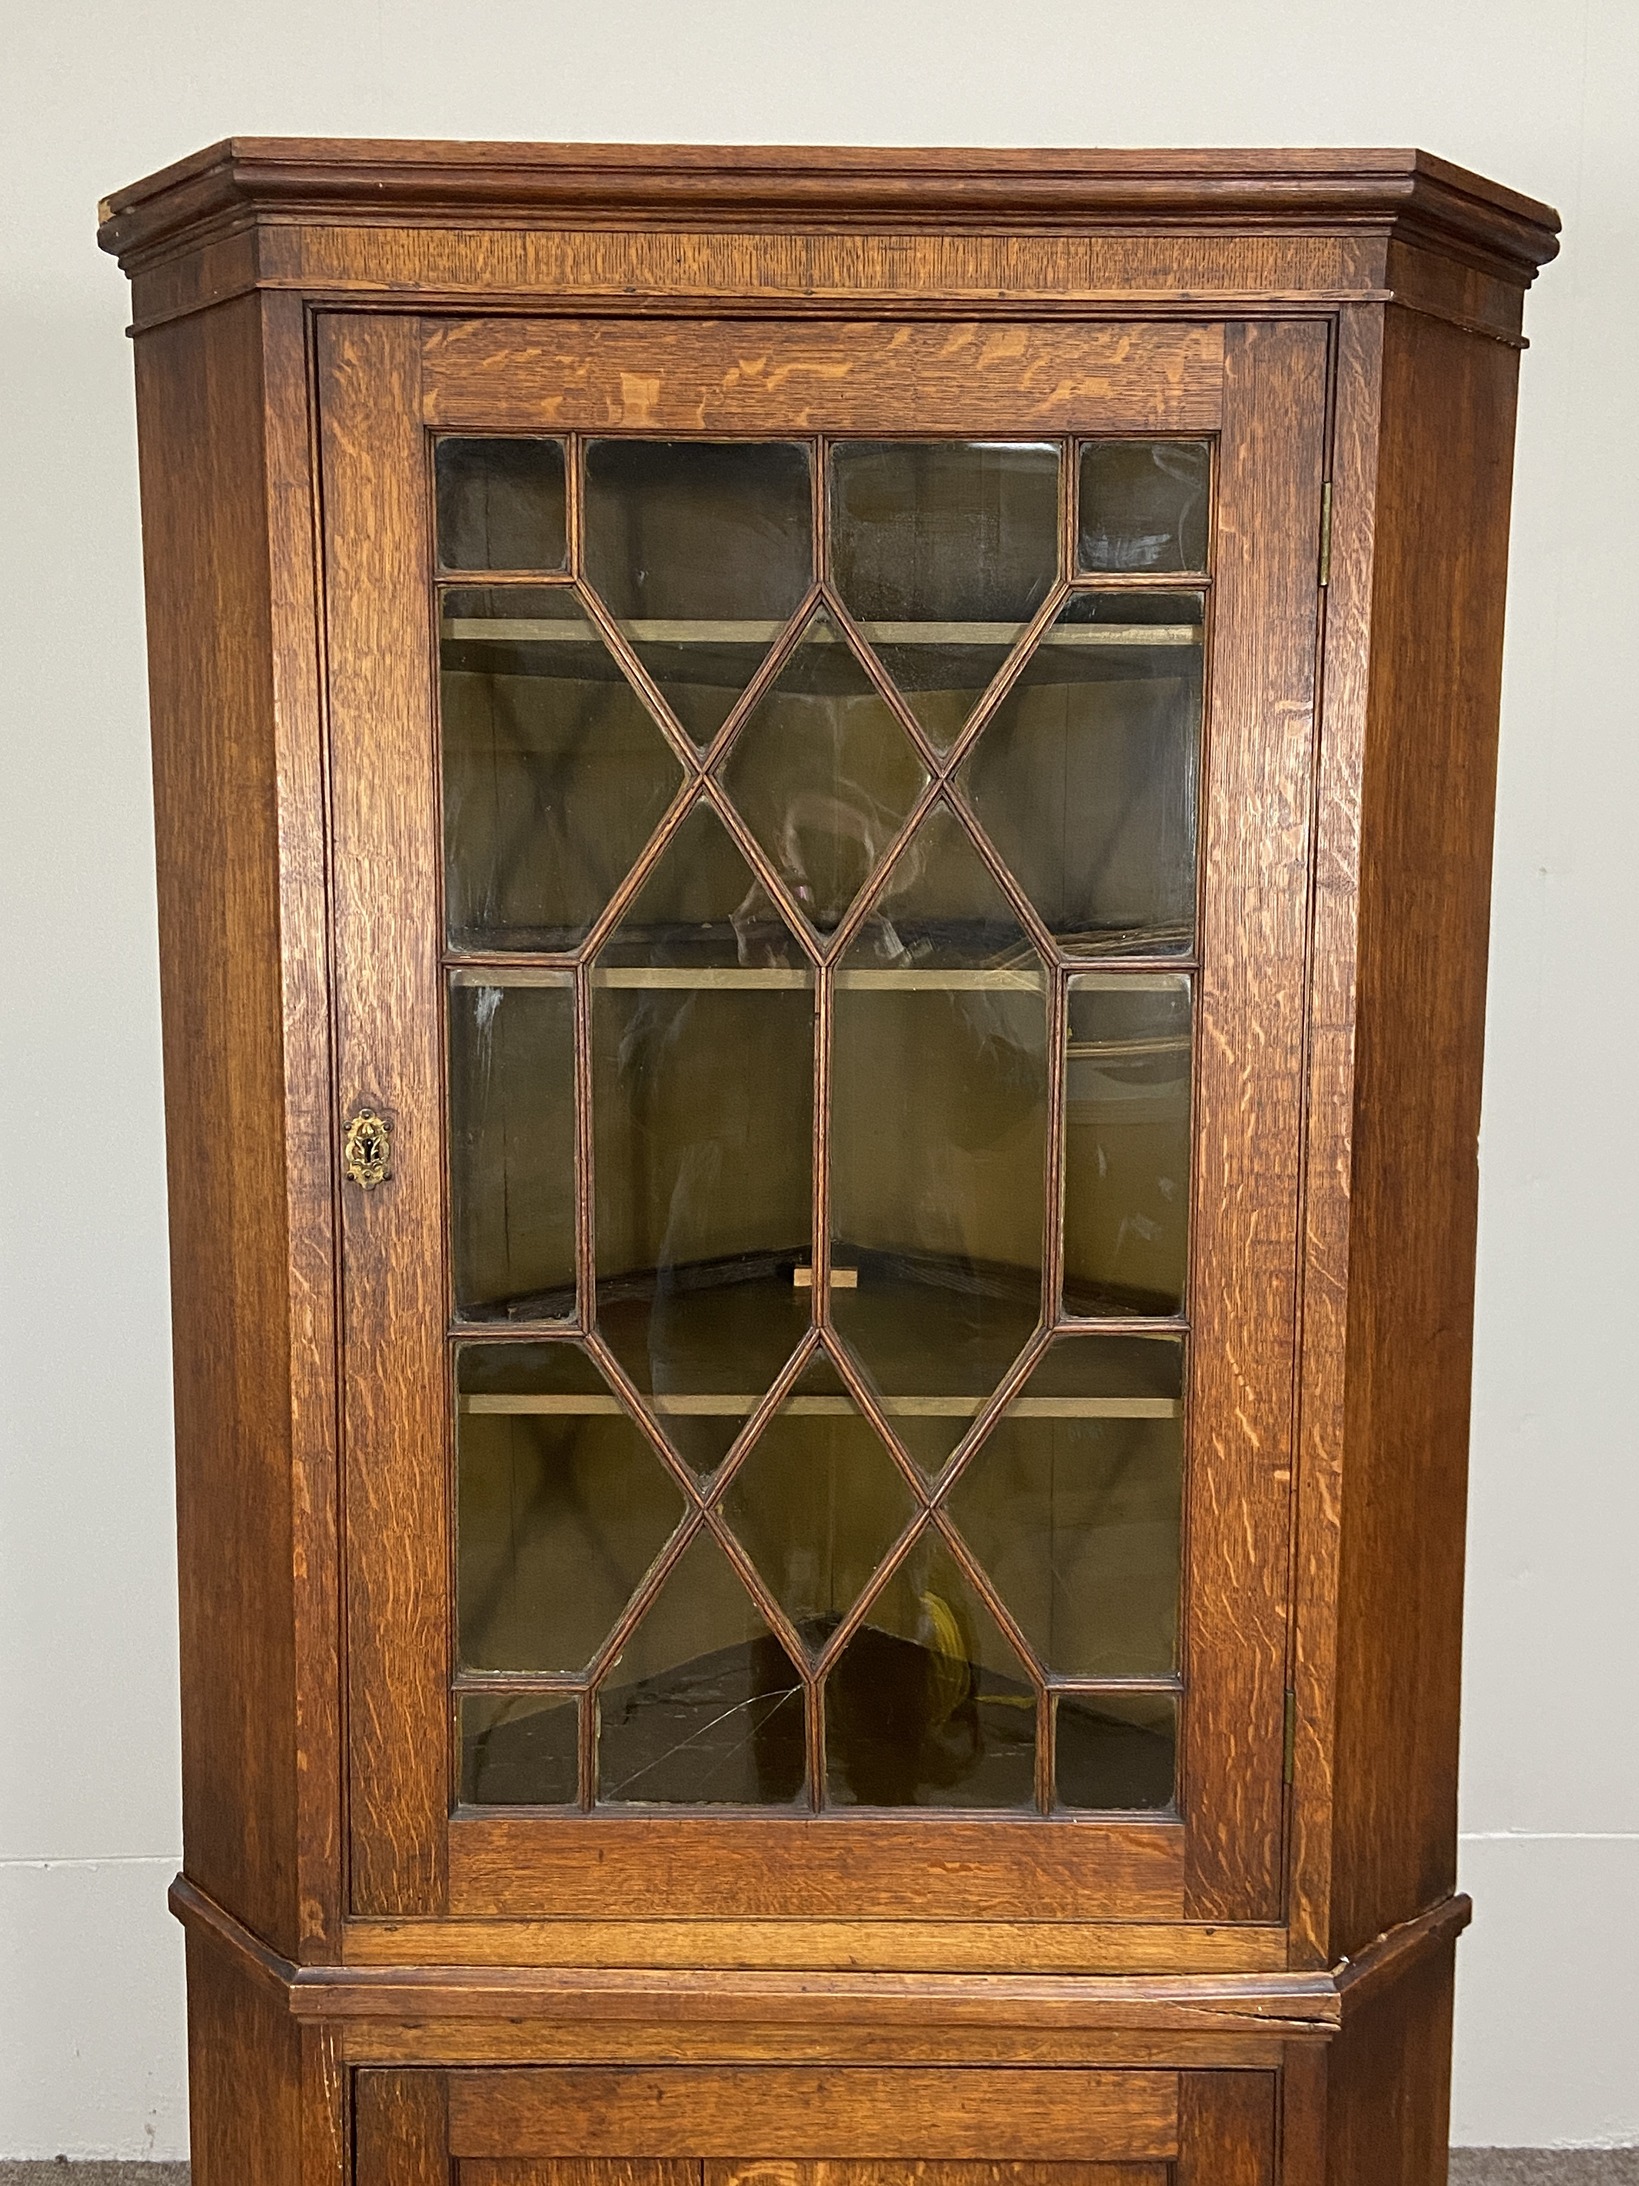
<point>781,2125</point>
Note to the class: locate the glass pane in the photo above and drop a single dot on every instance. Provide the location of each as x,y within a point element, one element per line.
<point>1126,1144</point>
<point>1117,1752</point>
<point>702,552</point>
<point>1073,1505</point>
<point>519,1749</point>
<point>938,1128</point>
<point>1143,505</point>
<point>1085,779</point>
<point>562,1506</point>
<point>942,551</point>
<point>555,772</point>
<point>928,1705</point>
<point>512,1144</point>
<point>702,1071</point>
<point>823,774</point>
<point>704,1707</point>
<point>500,504</point>
<point>818,1503</point>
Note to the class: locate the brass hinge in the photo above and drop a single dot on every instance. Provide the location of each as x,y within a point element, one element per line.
<point>1326,533</point>
<point>1291,1742</point>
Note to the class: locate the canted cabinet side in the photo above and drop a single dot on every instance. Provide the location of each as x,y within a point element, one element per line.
<point>238,815</point>
<point>1422,471</point>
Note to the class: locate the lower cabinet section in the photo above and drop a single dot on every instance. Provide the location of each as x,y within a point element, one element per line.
<point>806,2126</point>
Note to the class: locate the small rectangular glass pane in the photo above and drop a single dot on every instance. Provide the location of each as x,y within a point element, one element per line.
<point>500,504</point>
<point>519,1749</point>
<point>1126,1143</point>
<point>555,772</point>
<point>1085,778</point>
<point>562,1506</point>
<point>1143,506</point>
<point>512,1144</point>
<point>1073,1506</point>
<point>1116,1752</point>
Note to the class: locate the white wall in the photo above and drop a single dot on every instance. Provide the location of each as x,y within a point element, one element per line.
<point>1541,94</point>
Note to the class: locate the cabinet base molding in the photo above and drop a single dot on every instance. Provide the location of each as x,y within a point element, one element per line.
<point>668,2015</point>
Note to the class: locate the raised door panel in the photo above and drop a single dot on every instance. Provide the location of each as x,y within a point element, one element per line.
<point>674,2126</point>
<point>820,928</point>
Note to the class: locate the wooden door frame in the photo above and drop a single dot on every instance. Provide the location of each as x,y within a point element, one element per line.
<point>383,379</point>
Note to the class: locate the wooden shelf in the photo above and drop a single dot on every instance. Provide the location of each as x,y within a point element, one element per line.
<point>739,1406</point>
<point>957,980</point>
<point>528,630</point>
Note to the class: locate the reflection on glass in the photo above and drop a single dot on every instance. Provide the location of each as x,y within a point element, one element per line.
<point>519,1749</point>
<point>938,1128</point>
<point>818,1503</point>
<point>1143,505</point>
<point>704,1707</point>
<point>1116,1752</point>
<point>943,551</point>
<point>555,772</point>
<point>702,551</point>
<point>561,1507</point>
<point>500,504</point>
<point>823,774</point>
<point>1085,778</point>
<point>512,1144</point>
<point>1073,1504</point>
<point>702,1070</point>
<point>1126,1144</point>
<point>928,1705</point>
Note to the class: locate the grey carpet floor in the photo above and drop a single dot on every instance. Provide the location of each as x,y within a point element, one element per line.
<point>1469,2167</point>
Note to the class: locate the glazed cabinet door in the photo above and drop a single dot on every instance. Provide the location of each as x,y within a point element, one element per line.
<point>821,836</point>
<point>847,2127</point>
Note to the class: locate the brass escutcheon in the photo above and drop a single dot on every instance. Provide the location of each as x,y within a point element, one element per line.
<point>367,1148</point>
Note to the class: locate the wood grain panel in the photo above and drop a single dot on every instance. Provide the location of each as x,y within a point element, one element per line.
<point>775,376</point>
<point>244,2075</point>
<point>400,2129</point>
<point>575,2171</point>
<point>1249,1114</point>
<point>1388,2086</point>
<point>767,2171</point>
<point>217,808</point>
<point>1427,796</point>
<point>1019,2114</point>
<point>1080,1947</point>
<point>309,1106</point>
<point>267,2096</point>
<point>385,805</point>
<point>836,1866</point>
<point>1226,2129</point>
<point>524,2041</point>
<point>1357,414</point>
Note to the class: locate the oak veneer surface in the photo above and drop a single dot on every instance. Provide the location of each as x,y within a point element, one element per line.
<point>806,2113</point>
<point>1427,797</point>
<point>200,399</point>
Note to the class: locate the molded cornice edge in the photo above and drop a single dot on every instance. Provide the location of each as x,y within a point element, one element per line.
<point>1409,194</point>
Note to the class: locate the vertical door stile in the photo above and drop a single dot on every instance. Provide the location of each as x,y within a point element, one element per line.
<point>1249,1113</point>
<point>384,806</point>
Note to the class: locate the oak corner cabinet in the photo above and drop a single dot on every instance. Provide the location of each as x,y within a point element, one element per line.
<point>824,828</point>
